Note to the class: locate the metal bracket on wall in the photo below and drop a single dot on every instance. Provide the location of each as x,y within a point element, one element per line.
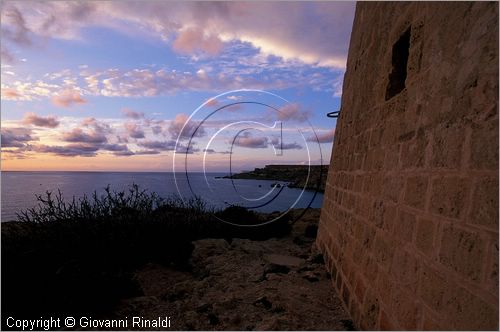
<point>334,114</point>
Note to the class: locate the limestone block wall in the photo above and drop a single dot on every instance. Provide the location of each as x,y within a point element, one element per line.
<point>409,225</point>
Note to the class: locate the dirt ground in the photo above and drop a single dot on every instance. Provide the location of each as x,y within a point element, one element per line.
<point>277,284</point>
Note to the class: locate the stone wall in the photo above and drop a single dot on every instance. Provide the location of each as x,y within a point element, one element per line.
<point>409,225</point>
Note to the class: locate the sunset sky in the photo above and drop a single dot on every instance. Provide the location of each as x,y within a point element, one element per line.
<point>111,85</point>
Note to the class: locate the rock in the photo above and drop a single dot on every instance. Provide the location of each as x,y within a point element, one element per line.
<point>209,247</point>
<point>205,307</point>
<point>213,319</point>
<point>311,231</point>
<point>264,302</point>
<point>290,261</point>
<point>264,285</point>
<point>310,276</point>
<point>178,292</point>
<point>275,268</point>
<point>301,240</point>
<point>348,324</point>
<point>316,259</point>
<point>271,324</point>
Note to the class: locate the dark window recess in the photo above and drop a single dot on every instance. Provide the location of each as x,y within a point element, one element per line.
<point>397,77</point>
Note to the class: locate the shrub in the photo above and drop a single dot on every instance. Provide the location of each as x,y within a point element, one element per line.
<point>67,258</point>
<point>78,257</point>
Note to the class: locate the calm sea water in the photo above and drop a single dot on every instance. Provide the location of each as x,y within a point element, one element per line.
<point>19,189</point>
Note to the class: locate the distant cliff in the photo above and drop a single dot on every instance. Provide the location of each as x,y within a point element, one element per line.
<point>296,175</point>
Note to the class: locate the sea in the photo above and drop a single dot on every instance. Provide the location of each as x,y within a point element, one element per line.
<point>19,189</point>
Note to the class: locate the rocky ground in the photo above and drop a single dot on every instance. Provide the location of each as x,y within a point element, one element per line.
<point>277,284</point>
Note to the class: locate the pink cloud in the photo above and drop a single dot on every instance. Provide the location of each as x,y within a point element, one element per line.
<point>195,40</point>
<point>212,103</point>
<point>182,129</point>
<point>133,130</point>
<point>16,137</point>
<point>248,141</point>
<point>132,114</point>
<point>68,98</point>
<point>80,136</point>
<point>293,112</point>
<point>40,121</point>
<point>325,137</point>
<point>10,94</point>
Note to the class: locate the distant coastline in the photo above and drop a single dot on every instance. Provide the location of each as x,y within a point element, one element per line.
<point>298,176</point>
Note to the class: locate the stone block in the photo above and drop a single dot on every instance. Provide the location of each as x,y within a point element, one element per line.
<point>448,196</point>
<point>484,208</point>
<point>392,188</point>
<point>416,191</point>
<point>383,250</point>
<point>492,267</point>
<point>425,233</point>
<point>404,270</point>
<point>433,288</point>
<point>447,143</point>
<point>404,226</point>
<point>370,312</point>
<point>413,154</point>
<point>467,311</point>
<point>406,309</point>
<point>463,251</point>
<point>484,146</point>
<point>385,323</point>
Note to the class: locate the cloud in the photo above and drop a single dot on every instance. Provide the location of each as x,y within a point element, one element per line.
<point>288,146</point>
<point>6,56</point>
<point>246,140</point>
<point>187,150</point>
<point>27,90</point>
<point>19,153</point>
<point>325,137</point>
<point>195,40</point>
<point>10,94</point>
<point>40,121</point>
<point>70,150</point>
<point>114,147</point>
<point>97,126</point>
<point>210,151</point>
<point>292,112</point>
<point>83,149</point>
<point>158,145</point>
<point>14,26</point>
<point>180,128</point>
<point>16,137</point>
<point>132,114</point>
<point>285,146</point>
<point>68,98</point>
<point>147,152</point>
<point>212,103</point>
<point>231,74</point>
<point>315,33</point>
<point>133,130</point>
<point>157,129</point>
<point>91,131</point>
<point>126,153</point>
<point>78,135</point>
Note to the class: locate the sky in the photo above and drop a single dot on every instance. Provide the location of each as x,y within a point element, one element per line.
<point>163,86</point>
